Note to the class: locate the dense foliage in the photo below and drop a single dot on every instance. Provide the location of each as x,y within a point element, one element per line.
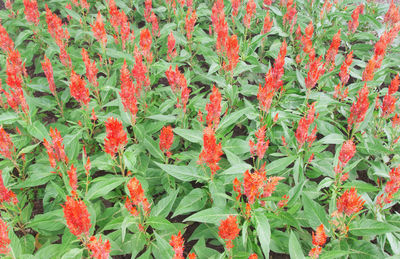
<point>199,129</point>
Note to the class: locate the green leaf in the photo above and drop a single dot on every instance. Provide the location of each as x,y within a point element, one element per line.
<point>138,242</point>
<point>314,212</point>
<point>183,173</point>
<point>369,227</point>
<point>38,130</point>
<point>103,185</point>
<point>160,223</point>
<point>295,250</point>
<point>332,138</point>
<point>164,206</point>
<point>73,253</point>
<point>193,201</point>
<point>212,215</point>
<point>232,118</point>
<point>279,165</point>
<point>333,254</point>
<point>263,232</point>
<point>8,117</point>
<point>194,136</point>
<point>162,249</point>
<point>161,117</point>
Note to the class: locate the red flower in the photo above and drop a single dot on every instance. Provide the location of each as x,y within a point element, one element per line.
<point>252,183</point>
<point>99,249</point>
<point>344,69</point>
<point>235,7</point>
<point>389,101</point>
<point>314,252</point>
<point>31,11</point>
<point>6,43</point>
<point>253,256</point>
<point>73,179</point>
<point>6,195</point>
<point>54,25</point>
<point>147,10</point>
<point>48,71</point>
<point>139,72</point>
<point>267,24</point>
<point>171,47</point>
<point>270,186</point>
<point>284,201</point>
<point>154,24</point>
<point>56,150</point>
<point>333,49</point>
<point>78,89</point>
<point>232,53</point>
<point>359,108</point>
<point>14,70</point>
<point>317,69</point>
<point>237,188</point>
<point>190,21</point>
<point>211,153</point>
<point>177,243</point>
<point>319,238</point>
<point>250,10</point>
<point>77,216</point>
<point>137,198</point>
<point>192,256</point>
<point>99,31</point>
<point>347,152</point>
<point>368,73</point>
<point>116,138</point>
<point>262,145</point>
<point>393,185</point>
<point>228,230</point>
<point>290,16</point>
<point>166,140</point>
<point>128,92</point>
<point>302,135</point>
<point>393,14</point>
<point>353,23</point>
<point>349,202</point>
<point>306,39</point>
<point>4,239</point>
<point>145,44</point>
<point>214,108</point>
<point>91,69</point>
<point>7,148</point>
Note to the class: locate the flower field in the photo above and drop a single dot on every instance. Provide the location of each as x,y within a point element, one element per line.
<point>199,129</point>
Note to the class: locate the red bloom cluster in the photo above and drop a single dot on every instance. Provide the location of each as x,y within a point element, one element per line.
<point>250,11</point>
<point>267,24</point>
<point>344,77</point>
<point>392,16</point>
<point>31,11</point>
<point>128,92</point>
<point>261,146</point>
<point>235,7</point>
<point>349,203</point>
<point>6,43</point>
<point>333,50</point>
<point>270,186</point>
<point>229,230</point>
<point>353,23</point>
<point>171,47</point>
<point>306,38</point>
<point>177,243</point>
<point>56,150</point>
<point>4,239</point>
<point>99,31</point>
<point>7,148</point>
<point>211,153</point>
<point>6,195</point>
<point>359,108</point>
<point>232,53</point>
<point>119,21</point>
<point>190,21</point>
<point>290,16</point>
<point>137,198</point>
<point>389,101</point>
<point>48,71</point>
<point>178,84</point>
<point>91,69</point>
<point>317,69</point>
<point>77,216</point>
<point>346,153</point>
<point>78,89</point>
<point>116,138</point>
<point>145,44</point>
<point>220,25</point>
<point>284,201</point>
<point>140,72</point>
<point>166,140</point>
<point>393,185</point>
<point>99,249</point>
<point>318,240</point>
<point>73,179</point>
<point>214,108</point>
<point>252,183</point>
<point>302,135</point>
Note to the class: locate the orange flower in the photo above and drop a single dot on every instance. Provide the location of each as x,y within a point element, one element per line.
<point>306,39</point>
<point>250,10</point>
<point>99,249</point>
<point>171,47</point>
<point>347,152</point>
<point>228,230</point>
<point>359,108</point>
<point>353,23</point>
<point>145,44</point>
<point>393,14</point>
<point>56,150</point>
<point>128,92</point>
<point>48,71</point>
<point>232,53</point>
<point>267,24</point>
<point>237,188</point>
<point>253,256</point>
<point>319,238</point>
<point>177,243</point>
<point>333,49</point>
<point>99,31</point>
<point>317,69</point>
<point>73,180</point>
<point>4,239</point>
<point>270,185</point>
<point>6,43</point>
<point>350,202</point>
<point>315,252</point>
<point>393,185</point>
<point>368,73</point>
<point>6,195</point>
<point>77,216</point>
<point>7,148</point>
<point>137,198</point>
<point>190,21</point>
<point>284,201</point>
<point>252,183</point>
<point>302,135</point>
<point>116,138</point>
<point>91,69</point>
<point>78,89</point>
<point>235,7</point>
<point>31,11</point>
<point>214,108</point>
<point>166,140</point>
<point>211,153</point>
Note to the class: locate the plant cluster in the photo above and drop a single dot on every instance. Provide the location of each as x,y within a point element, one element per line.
<point>199,129</point>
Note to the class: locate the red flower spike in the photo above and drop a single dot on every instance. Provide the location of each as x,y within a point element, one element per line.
<point>171,47</point>
<point>99,31</point>
<point>166,140</point>
<point>317,69</point>
<point>253,256</point>
<point>99,249</point>
<point>232,53</point>
<point>73,179</point>
<point>228,230</point>
<point>359,108</point>
<point>77,217</point>
<point>396,120</point>
<point>7,148</point>
<point>214,108</point>
<point>262,145</point>
<point>235,7</point>
<point>4,239</point>
<point>302,135</point>
<point>91,68</point>
<point>252,184</point>
<point>145,44</point>
<point>368,73</point>
<point>394,85</point>
<point>270,185</point>
<point>6,195</point>
<point>306,39</point>
<point>212,152</point>
<point>56,150</point>
<point>48,71</point>
<point>315,252</point>
<point>137,198</point>
<point>192,256</point>
<point>267,24</point>
<point>14,70</point>
<point>190,21</point>
<point>128,92</point>
<point>237,188</point>
<point>349,203</point>
<point>155,30</point>
<point>344,69</point>
<point>177,243</point>
<point>116,138</point>
<point>347,152</point>
<point>147,10</point>
<point>393,185</point>
<point>6,43</point>
<point>78,89</point>
<point>319,238</point>
<point>353,23</point>
<point>31,11</point>
<point>333,50</point>
<point>392,16</point>
<point>284,201</point>
<point>250,11</point>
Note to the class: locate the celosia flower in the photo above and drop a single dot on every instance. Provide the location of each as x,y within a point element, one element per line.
<point>368,73</point>
<point>347,152</point>
<point>353,23</point>
<point>344,69</point>
<point>214,108</point>
<point>290,16</point>
<point>315,252</point>
<point>349,203</point>
<point>56,150</point>
<point>4,239</point>
<point>250,11</point>
<point>237,188</point>
<point>140,72</point>
<point>253,256</point>
<point>252,183</point>
<point>128,92</point>
<point>48,71</point>
<point>73,179</point>
<point>6,43</point>
<point>319,238</point>
<point>154,24</point>
<point>284,201</point>
<point>31,11</point>
<point>54,25</point>
<point>317,69</point>
<point>147,10</point>
<point>99,31</point>
<point>177,243</point>
<point>267,24</point>
<point>91,69</point>
<point>14,70</point>
<point>166,140</point>
<point>99,249</point>
<point>393,185</point>
<point>137,198</point>
<point>232,53</point>
<point>389,101</point>
<point>77,216</point>
<point>359,108</point>
<point>302,135</point>
<point>212,152</point>
<point>7,148</point>
<point>192,256</point>
<point>116,138</point>
<point>78,89</point>
<point>171,47</point>
<point>235,7</point>
<point>190,21</point>
<point>333,50</point>
<point>325,8</point>
<point>228,230</point>
<point>145,44</point>
<point>262,145</point>
<point>6,195</point>
<point>392,16</point>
